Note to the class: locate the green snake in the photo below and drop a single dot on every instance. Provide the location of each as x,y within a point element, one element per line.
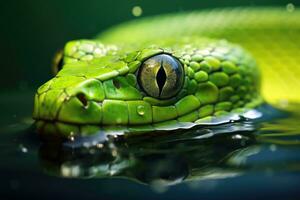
<point>171,69</point>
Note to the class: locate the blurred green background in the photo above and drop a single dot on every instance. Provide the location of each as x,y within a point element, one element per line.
<point>33,30</point>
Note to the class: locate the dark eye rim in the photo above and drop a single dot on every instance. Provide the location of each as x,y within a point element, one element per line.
<point>57,62</point>
<point>138,73</point>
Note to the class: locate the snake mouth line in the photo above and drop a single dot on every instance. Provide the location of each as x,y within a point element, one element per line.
<point>50,129</point>
<point>60,130</point>
<point>55,121</point>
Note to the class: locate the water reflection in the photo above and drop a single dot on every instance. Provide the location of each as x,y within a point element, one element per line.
<point>204,153</point>
<point>266,146</point>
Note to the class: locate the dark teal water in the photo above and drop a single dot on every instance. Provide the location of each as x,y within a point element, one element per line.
<point>243,160</point>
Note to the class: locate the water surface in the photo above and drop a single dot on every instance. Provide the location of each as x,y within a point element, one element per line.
<point>248,159</point>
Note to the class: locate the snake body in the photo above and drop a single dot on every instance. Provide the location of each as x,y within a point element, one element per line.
<point>223,55</point>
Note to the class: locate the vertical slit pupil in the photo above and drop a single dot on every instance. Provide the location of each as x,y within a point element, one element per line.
<point>161,78</point>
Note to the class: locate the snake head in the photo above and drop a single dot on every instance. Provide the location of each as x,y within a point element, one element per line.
<point>149,85</point>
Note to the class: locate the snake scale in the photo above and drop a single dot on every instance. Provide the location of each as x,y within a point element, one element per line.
<point>173,69</point>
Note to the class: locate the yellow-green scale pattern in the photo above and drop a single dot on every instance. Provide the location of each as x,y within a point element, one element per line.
<point>270,34</point>
<point>97,86</point>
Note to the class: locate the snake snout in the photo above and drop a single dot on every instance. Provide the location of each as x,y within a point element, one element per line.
<point>83,103</point>
<point>79,103</point>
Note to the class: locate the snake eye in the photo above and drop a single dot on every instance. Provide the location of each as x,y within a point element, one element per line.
<point>161,76</point>
<point>57,62</point>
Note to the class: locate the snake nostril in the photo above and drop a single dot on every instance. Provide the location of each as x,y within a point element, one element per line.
<point>82,98</point>
<point>116,83</point>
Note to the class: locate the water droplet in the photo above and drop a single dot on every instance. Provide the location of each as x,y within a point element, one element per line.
<point>273,147</point>
<point>70,171</point>
<point>23,149</point>
<point>137,11</point>
<point>252,114</point>
<point>71,136</point>
<point>112,172</point>
<point>237,136</point>
<point>114,153</point>
<point>86,144</point>
<point>140,110</point>
<point>290,7</point>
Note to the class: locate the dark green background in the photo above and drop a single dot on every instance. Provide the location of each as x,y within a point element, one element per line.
<point>32,30</point>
